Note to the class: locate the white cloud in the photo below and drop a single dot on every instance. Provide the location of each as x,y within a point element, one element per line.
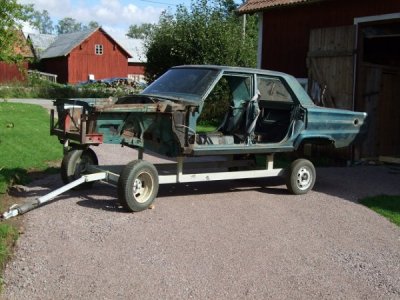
<point>27,28</point>
<point>111,4</point>
<point>56,8</point>
<point>108,13</point>
<point>136,15</point>
<point>116,32</point>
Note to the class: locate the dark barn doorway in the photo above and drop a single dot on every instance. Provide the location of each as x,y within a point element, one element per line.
<point>378,86</point>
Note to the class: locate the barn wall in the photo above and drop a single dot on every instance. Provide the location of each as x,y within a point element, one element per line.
<point>83,60</point>
<point>56,65</point>
<point>11,72</point>
<point>136,68</point>
<point>286,31</point>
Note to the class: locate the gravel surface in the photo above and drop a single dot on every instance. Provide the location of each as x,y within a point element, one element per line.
<point>217,240</point>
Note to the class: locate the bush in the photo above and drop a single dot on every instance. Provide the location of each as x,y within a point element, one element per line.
<point>36,87</point>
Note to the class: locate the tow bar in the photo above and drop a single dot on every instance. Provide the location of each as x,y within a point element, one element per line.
<point>19,209</point>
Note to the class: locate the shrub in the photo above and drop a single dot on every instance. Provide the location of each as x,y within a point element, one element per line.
<point>36,87</point>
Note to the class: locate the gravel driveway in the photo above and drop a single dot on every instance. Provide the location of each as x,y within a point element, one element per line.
<point>218,240</point>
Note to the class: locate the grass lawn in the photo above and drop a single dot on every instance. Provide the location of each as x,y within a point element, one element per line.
<point>25,142</point>
<point>387,206</point>
<point>205,128</point>
<point>25,145</point>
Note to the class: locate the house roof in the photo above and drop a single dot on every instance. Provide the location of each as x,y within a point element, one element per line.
<point>135,47</point>
<point>21,46</point>
<point>40,42</point>
<point>65,43</point>
<point>251,6</point>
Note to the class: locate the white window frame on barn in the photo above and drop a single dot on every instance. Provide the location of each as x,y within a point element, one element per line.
<point>98,49</point>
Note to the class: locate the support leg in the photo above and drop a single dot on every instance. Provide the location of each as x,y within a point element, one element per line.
<point>140,153</point>
<point>270,161</point>
<point>179,168</point>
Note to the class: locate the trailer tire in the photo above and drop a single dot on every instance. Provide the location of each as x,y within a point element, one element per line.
<point>138,185</point>
<point>300,177</point>
<point>74,164</point>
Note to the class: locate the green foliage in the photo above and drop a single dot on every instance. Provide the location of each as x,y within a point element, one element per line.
<point>12,14</point>
<point>206,128</point>
<point>387,206</point>
<point>216,105</point>
<point>140,31</point>
<point>8,236</point>
<point>39,88</point>
<point>93,25</point>
<point>42,22</point>
<point>25,142</point>
<point>68,25</point>
<point>207,33</point>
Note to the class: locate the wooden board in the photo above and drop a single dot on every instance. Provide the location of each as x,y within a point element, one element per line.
<point>388,159</point>
<point>330,62</point>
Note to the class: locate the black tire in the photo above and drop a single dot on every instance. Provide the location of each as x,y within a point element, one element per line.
<point>138,185</point>
<point>300,177</point>
<point>74,165</point>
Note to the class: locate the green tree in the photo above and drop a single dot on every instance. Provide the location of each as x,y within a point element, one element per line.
<point>12,15</point>
<point>42,21</point>
<point>209,32</point>
<point>140,31</point>
<point>93,25</point>
<point>68,25</point>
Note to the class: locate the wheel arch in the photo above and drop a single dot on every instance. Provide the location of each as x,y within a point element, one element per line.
<point>314,140</point>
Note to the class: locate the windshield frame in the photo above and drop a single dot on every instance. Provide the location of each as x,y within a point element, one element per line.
<point>213,75</point>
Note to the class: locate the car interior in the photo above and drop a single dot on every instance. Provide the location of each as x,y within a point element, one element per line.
<point>242,119</point>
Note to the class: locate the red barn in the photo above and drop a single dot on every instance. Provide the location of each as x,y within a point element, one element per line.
<point>137,62</point>
<point>89,54</point>
<point>349,50</point>
<point>11,71</point>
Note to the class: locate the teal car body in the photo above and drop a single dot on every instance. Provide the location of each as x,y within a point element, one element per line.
<point>254,112</point>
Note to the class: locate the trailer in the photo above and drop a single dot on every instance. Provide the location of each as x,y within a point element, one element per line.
<point>138,181</point>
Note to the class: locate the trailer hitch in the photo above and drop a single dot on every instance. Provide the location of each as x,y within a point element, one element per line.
<point>19,209</point>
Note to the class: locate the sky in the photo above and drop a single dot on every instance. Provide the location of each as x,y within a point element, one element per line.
<point>115,16</point>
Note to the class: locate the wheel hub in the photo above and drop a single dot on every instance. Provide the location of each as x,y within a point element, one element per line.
<point>137,186</point>
<point>304,178</point>
<point>142,187</point>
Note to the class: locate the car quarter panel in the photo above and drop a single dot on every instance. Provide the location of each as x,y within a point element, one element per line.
<point>341,127</point>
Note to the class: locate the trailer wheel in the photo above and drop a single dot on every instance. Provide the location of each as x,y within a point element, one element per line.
<point>74,165</point>
<point>138,185</point>
<point>300,177</point>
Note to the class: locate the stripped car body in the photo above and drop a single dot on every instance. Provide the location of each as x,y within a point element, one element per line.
<point>265,112</point>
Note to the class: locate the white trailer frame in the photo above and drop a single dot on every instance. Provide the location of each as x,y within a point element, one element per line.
<point>168,174</point>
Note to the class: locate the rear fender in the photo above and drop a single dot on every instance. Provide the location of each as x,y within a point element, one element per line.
<point>315,140</point>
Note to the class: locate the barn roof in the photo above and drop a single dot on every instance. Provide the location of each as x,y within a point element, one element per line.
<point>41,42</point>
<point>135,47</point>
<point>251,6</point>
<point>65,43</point>
<point>21,47</point>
